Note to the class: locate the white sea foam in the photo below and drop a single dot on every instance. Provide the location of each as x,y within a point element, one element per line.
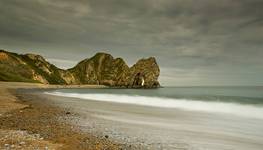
<point>185,104</point>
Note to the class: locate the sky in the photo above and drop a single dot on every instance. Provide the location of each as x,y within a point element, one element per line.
<point>204,42</point>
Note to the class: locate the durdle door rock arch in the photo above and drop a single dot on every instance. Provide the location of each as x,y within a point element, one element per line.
<point>101,69</point>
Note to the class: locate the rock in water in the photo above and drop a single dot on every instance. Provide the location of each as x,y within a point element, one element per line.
<point>144,74</point>
<point>101,69</point>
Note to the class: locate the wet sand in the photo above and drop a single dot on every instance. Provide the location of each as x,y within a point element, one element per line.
<point>31,122</point>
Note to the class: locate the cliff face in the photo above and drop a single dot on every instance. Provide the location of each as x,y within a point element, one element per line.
<point>14,68</point>
<point>43,71</point>
<point>101,69</point>
<point>144,73</point>
<point>148,71</point>
<point>28,68</point>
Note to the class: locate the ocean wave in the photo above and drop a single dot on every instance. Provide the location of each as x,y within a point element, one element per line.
<point>244,110</point>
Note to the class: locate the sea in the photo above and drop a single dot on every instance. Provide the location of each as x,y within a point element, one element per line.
<point>243,101</point>
<point>195,118</point>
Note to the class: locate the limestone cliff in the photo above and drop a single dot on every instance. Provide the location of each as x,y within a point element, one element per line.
<point>144,73</point>
<point>100,69</point>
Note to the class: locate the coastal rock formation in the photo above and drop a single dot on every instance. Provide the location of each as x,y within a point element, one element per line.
<point>14,68</point>
<point>42,70</point>
<point>101,69</point>
<point>144,73</point>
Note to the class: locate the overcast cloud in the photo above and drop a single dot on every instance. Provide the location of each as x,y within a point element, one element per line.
<point>204,42</point>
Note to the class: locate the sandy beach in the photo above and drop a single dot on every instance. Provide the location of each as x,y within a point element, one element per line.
<point>28,123</point>
<point>31,118</point>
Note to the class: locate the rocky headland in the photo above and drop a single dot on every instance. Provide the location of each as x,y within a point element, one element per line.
<point>101,69</point>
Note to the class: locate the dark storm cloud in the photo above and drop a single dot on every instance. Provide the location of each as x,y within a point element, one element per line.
<point>195,42</point>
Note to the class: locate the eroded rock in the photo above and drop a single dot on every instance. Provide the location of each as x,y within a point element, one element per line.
<point>101,69</point>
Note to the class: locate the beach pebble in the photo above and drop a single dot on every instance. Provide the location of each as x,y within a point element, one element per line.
<point>6,145</point>
<point>106,136</point>
<point>22,143</point>
<point>38,136</point>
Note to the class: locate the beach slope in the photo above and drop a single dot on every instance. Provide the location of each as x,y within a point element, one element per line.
<point>29,124</point>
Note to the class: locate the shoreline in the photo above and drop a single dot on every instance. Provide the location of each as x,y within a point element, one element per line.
<point>146,127</point>
<point>35,119</point>
<point>29,121</point>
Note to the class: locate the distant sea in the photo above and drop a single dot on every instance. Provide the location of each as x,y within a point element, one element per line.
<point>243,101</point>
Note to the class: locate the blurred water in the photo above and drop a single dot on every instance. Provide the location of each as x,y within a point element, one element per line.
<point>191,118</point>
